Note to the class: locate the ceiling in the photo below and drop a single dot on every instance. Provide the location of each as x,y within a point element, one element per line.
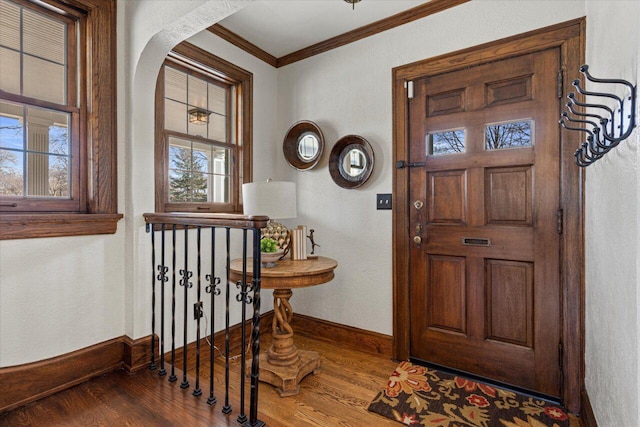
<point>281,27</point>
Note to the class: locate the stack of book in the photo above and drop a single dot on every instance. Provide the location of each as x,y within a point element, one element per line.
<point>299,243</point>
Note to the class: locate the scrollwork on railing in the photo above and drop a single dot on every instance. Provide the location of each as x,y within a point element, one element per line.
<point>213,284</point>
<point>605,127</point>
<point>192,270</point>
<point>162,274</point>
<point>186,275</point>
<point>244,289</point>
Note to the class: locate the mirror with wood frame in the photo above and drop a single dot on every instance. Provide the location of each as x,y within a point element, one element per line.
<point>303,145</point>
<point>351,161</point>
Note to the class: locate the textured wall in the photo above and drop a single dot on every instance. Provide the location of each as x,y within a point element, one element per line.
<point>163,25</point>
<point>611,230</point>
<point>61,294</point>
<point>264,98</point>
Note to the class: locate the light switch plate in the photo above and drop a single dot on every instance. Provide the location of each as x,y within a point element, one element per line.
<point>383,201</point>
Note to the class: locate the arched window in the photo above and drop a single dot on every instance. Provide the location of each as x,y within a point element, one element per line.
<point>203,133</point>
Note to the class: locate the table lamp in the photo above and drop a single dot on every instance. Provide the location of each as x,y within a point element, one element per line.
<point>277,200</point>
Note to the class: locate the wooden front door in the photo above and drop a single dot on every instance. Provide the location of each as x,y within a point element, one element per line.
<point>484,261</point>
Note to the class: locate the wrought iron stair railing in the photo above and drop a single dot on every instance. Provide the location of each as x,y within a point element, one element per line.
<point>174,278</point>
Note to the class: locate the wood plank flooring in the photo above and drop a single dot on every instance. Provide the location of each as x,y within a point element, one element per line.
<point>337,396</point>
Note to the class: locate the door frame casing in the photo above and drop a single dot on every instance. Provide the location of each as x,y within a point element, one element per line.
<point>570,38</point>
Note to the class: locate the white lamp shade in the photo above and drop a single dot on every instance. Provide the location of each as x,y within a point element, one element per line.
<point>276,199</point>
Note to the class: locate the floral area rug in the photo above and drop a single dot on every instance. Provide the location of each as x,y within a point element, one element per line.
<point>419,396</point>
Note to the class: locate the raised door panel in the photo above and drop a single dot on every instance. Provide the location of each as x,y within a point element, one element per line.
<point>446,103</point>
<point>447,197</point>
<point>507,91</point>
<point>509,302</point>
<point>508,195</point>
<point>446,294</point>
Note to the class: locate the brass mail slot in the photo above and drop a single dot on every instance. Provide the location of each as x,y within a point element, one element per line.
<point>473,241</point>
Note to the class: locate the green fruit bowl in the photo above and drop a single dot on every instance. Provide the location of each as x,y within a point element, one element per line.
<point>269,259</point>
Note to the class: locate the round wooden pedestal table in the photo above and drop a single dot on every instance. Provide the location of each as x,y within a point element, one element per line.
<point>284,365</point>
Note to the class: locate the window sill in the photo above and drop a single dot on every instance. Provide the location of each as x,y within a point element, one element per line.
<point>28,226</point>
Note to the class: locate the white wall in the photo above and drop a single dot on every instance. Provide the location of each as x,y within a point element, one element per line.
<point>61,294</point>
<point>611,230</point>
<point>348,91</point>
<point>58,295</point>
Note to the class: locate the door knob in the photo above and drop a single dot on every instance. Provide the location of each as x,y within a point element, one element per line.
<point>417,240</point>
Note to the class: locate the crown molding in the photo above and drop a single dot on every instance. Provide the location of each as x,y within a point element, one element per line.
<point>418,12</point>
<point>244,44</point>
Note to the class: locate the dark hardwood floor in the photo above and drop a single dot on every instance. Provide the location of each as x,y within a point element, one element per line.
<point>337,396</point>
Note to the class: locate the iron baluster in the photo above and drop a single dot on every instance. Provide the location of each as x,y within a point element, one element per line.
<point>255,333</point>
<point>186,275</point>
<point>162,277</point>
<point>242,298</point>
<point>213,289</point>
<point>173,377</point>
<point>227,407</point>
<point>153,366</point>
<point>198,313</point>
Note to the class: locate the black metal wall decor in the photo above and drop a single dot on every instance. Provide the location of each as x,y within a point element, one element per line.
<point>604,130</point>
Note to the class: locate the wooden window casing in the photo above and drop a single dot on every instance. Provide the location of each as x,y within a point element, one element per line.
<point>76,200</point>
<point>196,62</point>
<point>91,103</point>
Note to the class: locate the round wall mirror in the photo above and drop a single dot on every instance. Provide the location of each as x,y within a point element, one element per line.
<point>308,146</point>
<point>354,162</point>
<point>303,145</point>
<point>351,161</point>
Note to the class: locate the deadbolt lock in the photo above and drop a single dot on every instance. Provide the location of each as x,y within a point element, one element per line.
<point>418,204</point>
<point>417,240</point>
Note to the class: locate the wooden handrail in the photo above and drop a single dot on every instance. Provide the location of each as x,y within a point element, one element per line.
<point>207,219</point>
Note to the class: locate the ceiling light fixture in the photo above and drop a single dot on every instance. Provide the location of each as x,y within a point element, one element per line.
<point>353,3</point>
<point>198,116</point>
